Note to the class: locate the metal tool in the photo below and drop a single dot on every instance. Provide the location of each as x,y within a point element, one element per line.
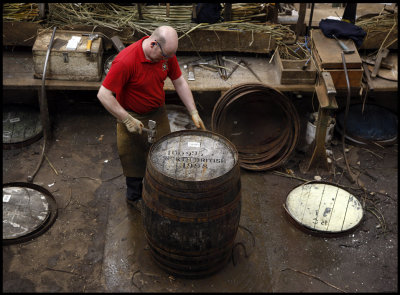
<point>234,69</point>
<point>44,111</point>
<point>151,131</point>
<point>221,64</point>
<point>383,52</point>
<point>117,43</point>
<point>251,70</point>
<point>119,46</point>
<point>90,40</point>
<point>346,50</point>
<point>191,65</point>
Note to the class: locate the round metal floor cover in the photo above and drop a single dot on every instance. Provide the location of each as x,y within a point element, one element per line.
<point>324,208</point>
<point>27,212</point>
<point>21,125</point>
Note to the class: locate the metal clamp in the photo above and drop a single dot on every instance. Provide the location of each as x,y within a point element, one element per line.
<point>65,55</point>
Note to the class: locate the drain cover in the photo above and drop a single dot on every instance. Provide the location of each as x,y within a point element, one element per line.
<point>324,208</point>
<point>28,210</point>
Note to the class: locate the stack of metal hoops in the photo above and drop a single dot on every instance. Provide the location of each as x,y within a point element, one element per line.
<point>260,121</point>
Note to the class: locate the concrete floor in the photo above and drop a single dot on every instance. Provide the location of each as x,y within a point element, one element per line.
<point>97,242</point>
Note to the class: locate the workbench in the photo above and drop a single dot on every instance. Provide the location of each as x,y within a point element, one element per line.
<point>18,74</point>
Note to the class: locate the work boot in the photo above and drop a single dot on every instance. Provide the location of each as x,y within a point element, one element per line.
<point>135,204</point>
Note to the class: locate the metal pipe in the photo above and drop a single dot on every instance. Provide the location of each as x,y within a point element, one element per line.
<point>310,21</point>
<point>351,175</point>
<point>43,101</point>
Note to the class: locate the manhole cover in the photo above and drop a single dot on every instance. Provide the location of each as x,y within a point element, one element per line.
<point>324,208</point>
<point>28,210</point>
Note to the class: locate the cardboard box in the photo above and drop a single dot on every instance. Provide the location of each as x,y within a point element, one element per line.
<point>68,60</point>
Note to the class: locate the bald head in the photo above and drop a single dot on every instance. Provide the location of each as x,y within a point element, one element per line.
<point>167,37</point>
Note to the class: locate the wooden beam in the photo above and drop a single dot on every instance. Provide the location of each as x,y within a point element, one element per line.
<point>228,12</point>
<point>139,9</point>
<point>300,20</point>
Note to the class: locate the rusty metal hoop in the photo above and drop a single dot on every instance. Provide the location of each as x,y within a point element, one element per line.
<point>276,118</point>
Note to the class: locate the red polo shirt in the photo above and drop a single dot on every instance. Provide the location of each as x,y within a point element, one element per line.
<point>137,82</point>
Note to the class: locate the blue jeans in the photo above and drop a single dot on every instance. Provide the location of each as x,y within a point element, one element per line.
<point>134,188</point>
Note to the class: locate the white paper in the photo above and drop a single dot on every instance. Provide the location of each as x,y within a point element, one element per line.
<point>193,144</point>
<point>6,198</point>
<point>73,43</point>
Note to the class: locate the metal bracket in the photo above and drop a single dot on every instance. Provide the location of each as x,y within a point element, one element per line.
<point>330,87</point>
<point>65,56</point>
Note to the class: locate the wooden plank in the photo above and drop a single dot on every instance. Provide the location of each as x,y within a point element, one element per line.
<point>218,41</point>
<point>329,52</point>
<point>300,20</point>
<point>19,33</point>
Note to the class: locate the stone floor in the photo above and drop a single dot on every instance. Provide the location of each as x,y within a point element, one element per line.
<point>97,243</point>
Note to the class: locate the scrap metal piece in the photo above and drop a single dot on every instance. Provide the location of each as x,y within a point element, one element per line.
<point>383,52</point>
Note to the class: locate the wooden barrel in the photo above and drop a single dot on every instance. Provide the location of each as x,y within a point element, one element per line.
<point>192,202</point>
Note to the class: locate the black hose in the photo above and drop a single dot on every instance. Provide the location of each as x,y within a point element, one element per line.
<point>43,99</point>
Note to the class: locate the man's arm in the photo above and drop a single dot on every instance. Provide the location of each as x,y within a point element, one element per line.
<point>185,94</point>
<point>111,104</point>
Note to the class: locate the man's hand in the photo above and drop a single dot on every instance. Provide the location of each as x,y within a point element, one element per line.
<point>133,125</point>
<point>196,119</point>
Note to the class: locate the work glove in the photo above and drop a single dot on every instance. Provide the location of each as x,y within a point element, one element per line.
<point>196,119</point>
<point>133,125</point>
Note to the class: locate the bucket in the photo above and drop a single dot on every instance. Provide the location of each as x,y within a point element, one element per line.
<point>191,202</point>
<point>311,128</point>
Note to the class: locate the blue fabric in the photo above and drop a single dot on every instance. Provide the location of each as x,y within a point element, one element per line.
<point>343,30</point>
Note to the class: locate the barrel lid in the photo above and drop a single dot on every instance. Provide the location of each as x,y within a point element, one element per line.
<point>193,155</point>
<point>24,211</point>
<point>21,125</point>
<point>324,208</point>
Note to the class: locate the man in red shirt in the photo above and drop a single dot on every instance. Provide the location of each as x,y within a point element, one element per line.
<point>137,78</point>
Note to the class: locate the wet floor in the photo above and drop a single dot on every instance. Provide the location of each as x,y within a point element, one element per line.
<point>97,243</point>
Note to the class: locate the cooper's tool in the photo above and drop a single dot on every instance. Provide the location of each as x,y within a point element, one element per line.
<point>234,69</point>
<point>383,52</point>
<point>90,40</point>
<point>119,46</point>
<point>346,50</point>
<point>191,65</point>
<point>371,62</point>
<point>220,63</point>
<point>251,70</point>
<point>151,131</point>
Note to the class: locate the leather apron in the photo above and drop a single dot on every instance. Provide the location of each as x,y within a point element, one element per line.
<point>133,148</point>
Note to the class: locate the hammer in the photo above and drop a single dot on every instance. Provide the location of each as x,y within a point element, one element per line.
<point>90,40</point>
<point>151,131</point>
